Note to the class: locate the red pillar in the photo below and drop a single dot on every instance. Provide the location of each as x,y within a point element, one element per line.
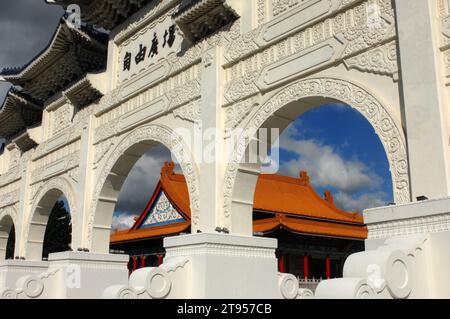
<point>134,263</point>
<point>306,266</point>
<point>160,259</point>
<point>281,263</point>
<point>142,261</point>
<point>328,267</point>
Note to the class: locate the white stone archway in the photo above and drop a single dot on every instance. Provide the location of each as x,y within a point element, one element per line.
<point>114,172</point>
<point>297,98</point>
<point>36,223</point>
<point>8,219</point>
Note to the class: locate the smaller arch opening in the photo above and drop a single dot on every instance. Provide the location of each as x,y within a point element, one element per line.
<point>50,230</point>
<point>11,244</point>
<point>7,238</point>
<point>58,233</point>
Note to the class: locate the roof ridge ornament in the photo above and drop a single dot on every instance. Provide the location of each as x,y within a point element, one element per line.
<point>328,196</point>
<point>168,168</point>
<point>304,178</point>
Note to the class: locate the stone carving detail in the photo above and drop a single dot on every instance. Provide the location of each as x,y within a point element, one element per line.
<point>168,138</point>
<point>184,94</point>
<point>280,6</point>
<point>38,193</point>
<point>242,87</point>
<point>262,12</point>
<point>15,158</point>
<point>10,176</point>
<point>101,150</point>
<point>398,262</point>
<point>56,163</point>
<point>180,89</point>
<point>248,55</point>
<point>390,134</point>
<point>236,113</point>
<point>381,60</point>
<point>109,100</point>
<point>29,287</point>
<point>189,112</point>
<point>404,227</point>
<point>289,288</point>
<point>74,174</point>
<point>143,286</point>
<point>62,118</point>
<point>106,131</point>
<point>9,198</point>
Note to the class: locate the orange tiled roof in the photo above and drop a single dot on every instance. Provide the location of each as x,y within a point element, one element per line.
<point>296,204</point>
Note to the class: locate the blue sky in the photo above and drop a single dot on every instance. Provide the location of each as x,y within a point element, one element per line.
<point>335,144</point>
<point>339,149</point>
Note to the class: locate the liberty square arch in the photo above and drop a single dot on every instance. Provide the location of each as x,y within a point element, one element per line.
<point>262,64</point>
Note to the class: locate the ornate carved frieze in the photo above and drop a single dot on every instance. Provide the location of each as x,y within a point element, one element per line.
<point>410,226</point>
<point>62,118</point>
<point>242,87</point>
<point>380,60</point>
<point>9,194</point>
<point>165,97</point>
<point>57,162</point>
<point>101,149</point>
<point>312,12</point>
<point>262,12</point>
<point>346,34</point>
<point>190,112</point>
<point>237,112</point>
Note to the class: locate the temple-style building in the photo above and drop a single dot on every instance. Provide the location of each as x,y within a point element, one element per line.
<point>314,236</point>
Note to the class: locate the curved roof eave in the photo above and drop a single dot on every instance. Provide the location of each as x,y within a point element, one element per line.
<point>18,75</point>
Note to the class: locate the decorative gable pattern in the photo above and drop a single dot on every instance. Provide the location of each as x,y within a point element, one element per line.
<point>162,213</point>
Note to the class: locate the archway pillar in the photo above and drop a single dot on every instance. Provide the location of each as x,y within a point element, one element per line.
<point>24,207</point>
<point>210,154</point>
<point>424,97</point>
<point>84,184</point>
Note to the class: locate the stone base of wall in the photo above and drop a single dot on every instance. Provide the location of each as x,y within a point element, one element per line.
<point>406,255</point>
<point>213,266</point>
<point>67,275</point>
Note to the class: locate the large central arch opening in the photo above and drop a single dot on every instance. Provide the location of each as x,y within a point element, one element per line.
<point>347,167</point>
<point>318,155</point>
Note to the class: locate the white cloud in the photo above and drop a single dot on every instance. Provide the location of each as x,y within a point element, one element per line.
<point>358,187</point>
<point>122,221</point>
<point>359,203</point>
<point>325,166</point>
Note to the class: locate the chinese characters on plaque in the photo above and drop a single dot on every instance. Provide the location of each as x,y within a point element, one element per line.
<point>148,48</point>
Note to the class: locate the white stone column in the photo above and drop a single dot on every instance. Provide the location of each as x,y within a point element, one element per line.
<point>210,154</point>
<point>84,186</point>
<point>422,89</point>
<point>24,206</point>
